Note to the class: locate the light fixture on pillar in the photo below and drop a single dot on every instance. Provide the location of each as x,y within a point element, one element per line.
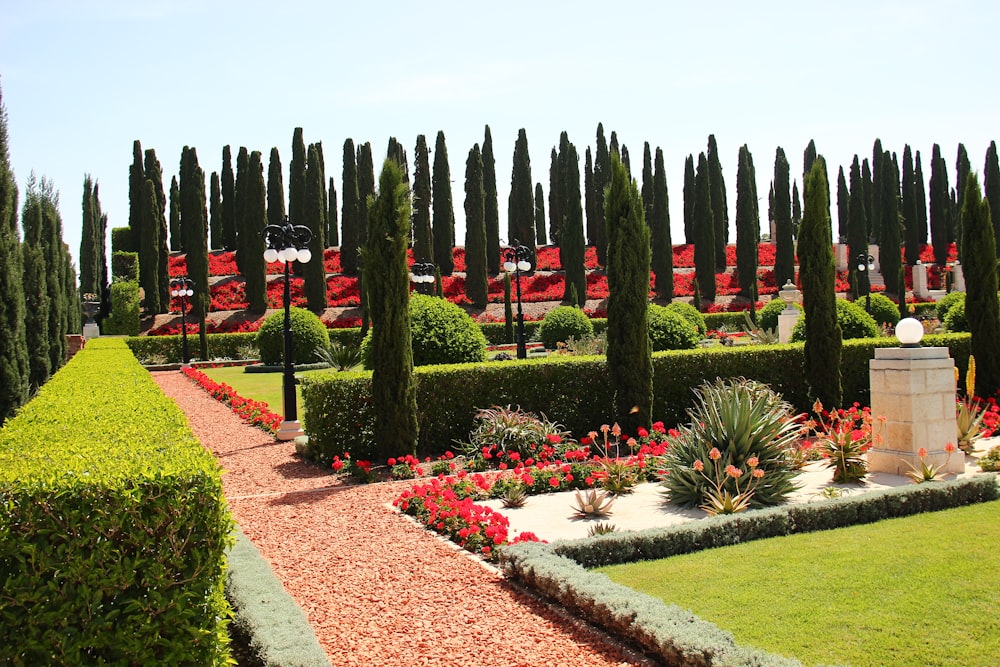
<point>181,287</point>
<point>422,273</point>
<point>866,264</point>
<point>909,331</point>
<point>516,259</point>
<point>288,243</point>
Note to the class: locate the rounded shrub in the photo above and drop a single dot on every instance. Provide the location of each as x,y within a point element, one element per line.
<point>669,330</point>
<point>690,313</point>
<point>884,309</point>
<point>944,304</point>
<point>441,333</point>
<point>308,334</point>
<point>562,322</point>
<point>767,317</point>
<point>954,319</point>
<point>853,320</point>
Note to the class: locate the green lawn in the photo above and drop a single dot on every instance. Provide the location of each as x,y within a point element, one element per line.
<point>258,386</point>
<point>918,591</point>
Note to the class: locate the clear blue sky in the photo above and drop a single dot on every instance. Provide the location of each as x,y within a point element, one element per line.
<point>82,80</point>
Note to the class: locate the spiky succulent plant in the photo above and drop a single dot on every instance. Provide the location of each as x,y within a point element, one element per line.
<point>592,503</point>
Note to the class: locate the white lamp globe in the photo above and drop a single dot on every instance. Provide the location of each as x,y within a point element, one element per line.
<point>524,265</point>
<point>509,266</point>
<point>909,331</point>
<point>304,255</point>
<point>174,292</point>
<point>270,255</point>
<point>291,254</point>
<point>862,267</point>
<point>190,292</point>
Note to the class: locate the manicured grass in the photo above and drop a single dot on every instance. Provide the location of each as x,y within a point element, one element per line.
<point>258,386</point>
<point>914,591</point>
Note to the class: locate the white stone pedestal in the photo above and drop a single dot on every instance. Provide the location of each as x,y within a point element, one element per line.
<point>920,281</point>
<point>289,430</point>
<point>91,330</point>
<point>958,278</point>
<point>840,255</point>
<point>914,389</point>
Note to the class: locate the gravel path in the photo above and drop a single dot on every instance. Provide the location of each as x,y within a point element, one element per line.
<point>378,590</point>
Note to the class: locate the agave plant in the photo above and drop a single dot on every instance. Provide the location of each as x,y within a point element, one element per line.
<point>601,528</point>
<point>757,334</point>
<point>742,420</point>
<point>508,429</point>
<point>969,419</point>
<point>514,496</point>
<point>339,356</point>
<point>592,503</point>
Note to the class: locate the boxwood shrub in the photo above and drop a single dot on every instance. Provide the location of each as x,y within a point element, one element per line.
<point>563,322</point>
<point>114,529</point>
<point>308,333</point>
<point>670,330</point>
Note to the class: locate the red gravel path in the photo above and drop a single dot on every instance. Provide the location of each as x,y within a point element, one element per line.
<point>377,589</point>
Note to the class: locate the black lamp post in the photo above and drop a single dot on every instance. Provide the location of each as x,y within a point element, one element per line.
<point>866,264</point>
<point>516,260</point>
<point>288,243</point>
<point>422,273</point>
<point>182,287</point>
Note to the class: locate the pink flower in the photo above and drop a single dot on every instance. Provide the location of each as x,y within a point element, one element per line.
<point>733,471</point>
<point>753,461</point>
<point>698,465</point>
<point>949,447</point>
<point>715,454</point>
<point>922,452</point>
<point>758,473</point>
<point>554,482</point>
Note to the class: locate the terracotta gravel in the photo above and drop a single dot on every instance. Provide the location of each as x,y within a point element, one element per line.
<point>378,589</point>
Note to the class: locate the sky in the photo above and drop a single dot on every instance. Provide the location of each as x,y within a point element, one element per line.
<point>82,80</point>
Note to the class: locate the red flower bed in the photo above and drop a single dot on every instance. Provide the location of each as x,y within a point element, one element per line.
<point>255,413</point>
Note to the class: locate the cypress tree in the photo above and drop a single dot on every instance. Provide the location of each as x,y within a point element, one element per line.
<point>88,242</point>
<point>909,206</point>
<point>784,260</point>
<point>796,210</point>
<point>194,226</point>
<point>366,189</point>
<point>36,296</point>
<point>747,224</point>
<point>890,261</point>
<point>254,218</point>
<point>492,205</point>
<point>981,307</point>
<point>149,262</point>
<point>940,202</point>
<point>332,232</point>
<point>818,274</point>
<point>136,177</point>
<point>808,157</point>
<point>629,353</point>
<point>921,200</point>
<point>770,211</point>
<point>442,210</point>
<point>423,244</point>
<point>720,208</point>
<point>241,206</point>
<point>174,200</point>
<point>991,184</point>
<point>647,183</point>
<point>661,250</point>
<point>349,213</point>
<point>962,170</point>
<point>857,231</point>
<point>626,161</point>
<point>521,205</point>
<point>396,151</point>
<point>228,208</point>
<point>867,187</point>
<point>393,389</point>
<point>476,285</point>
<point>214,211</point>
<point>571,247</point>
<point>275,191</point>
<point>297,179</point>
<point>875,211</point>
<point>602,171</point>
<point>158,228</point>
<point>314,217</point>
<point>102,249</point>
<point>555,216</point>
<point>704,231</point>
<point>590,197</point>
<point>843,206</point>
<point>689,197</point>
<point>14,369</point>
<point>540,216</point>
<point>55,273</point>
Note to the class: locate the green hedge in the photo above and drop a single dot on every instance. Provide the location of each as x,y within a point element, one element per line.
<point>114,527</point>
<point>220,346</point>
<point>672,634</point>
<point>574,391</point>
<point>124,318</point>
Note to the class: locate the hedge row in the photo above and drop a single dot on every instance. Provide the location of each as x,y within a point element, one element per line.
<point>167,349</point>
<point>574,391</point>
<point>114,527</point>
<point>674,635</point>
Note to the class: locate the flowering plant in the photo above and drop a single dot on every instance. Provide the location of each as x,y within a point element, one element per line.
<point>928,472</point>
<point>843,437</point>
<point>721,500</point>
<point>255,413</point>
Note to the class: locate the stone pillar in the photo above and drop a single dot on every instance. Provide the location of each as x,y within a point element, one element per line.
<point>840,253</point>
<point>91,330</point>
<point>790,315</point>
<point>914,389</point>
<point>920,281</point>
<point>958,278</point>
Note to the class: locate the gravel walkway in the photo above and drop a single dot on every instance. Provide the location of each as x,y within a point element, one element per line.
<point>377,589</point>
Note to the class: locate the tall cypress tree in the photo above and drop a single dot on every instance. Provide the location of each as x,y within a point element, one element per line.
<point>255,216</point>
<point>14,369</point>
<point>194,226</point>
<point>571,244</point>
<point>423,244</point>
<point>981,307</point>
<point>875,211</point>
<point>808,157</point>
<point>629,353</point>
<point>857,231</point>
<point>396,152</point>
<point>228,209</point>
<point>366,187</point>
<point>590,197</point>
<point>720,207</point>
<point>476,284</point>
<point>689,197</point>
<point>149,262</point>
<point>214,211</point>
<point>602,173</point>
<point>962,170</point>
<point>659,225</point>
<point>349,212</point>
<point>540,238</point>
<point>921,199</point>
<point>174,201</point>
<point>940,202</point>
<point>796,210</point>
<point>55,273</point>
<point>647,182</point>
<point>275,190</point>
<point>136,177</point>
<point>520,204</point>
<point>240,206</point>
<point>36,296</point>
<point>909,206</point>
<point>555,216</point>
<point>747,224</point>
<point>393,390</point>
<point>88,241</point>
<point>991,185</point>
<point>818,273</point>
<point>843,205</point>
<point>158,228</point>
<point>442,209</point>
<point>102,247</point>
<point>297,179</point>
<point>492,205</point>
<point>704,231</point>
<point>314,217</point>
<point>332,225</point>
<point>784,260</point>
<point>867,188</point>
<point>890,261</point>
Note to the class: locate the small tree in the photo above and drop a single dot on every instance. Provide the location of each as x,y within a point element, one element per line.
<point>314,217</point>
<point>350,213</point>
<point>228,207</point>
<point>747,224</point>
<point>254,218</point>
<point>443,210</point>
<point>981,308</point>
<point>720,207</point>
<point>476,283</point>
<point>423,244</point>
<point>704,232</point>
<point>491,206</point>
<point>659,227</point>
<point>940,206</point>
<point>521,205</point>
<point>571,244</point>
<point>784,247</point>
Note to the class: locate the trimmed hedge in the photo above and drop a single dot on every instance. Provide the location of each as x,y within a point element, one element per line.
<point>573,391</point>
<point>220,346</point>
<point>562,323</point>
<point>308,334</point>
<point>124,318</point>
<point>670,633</point>
<point>115,529</point>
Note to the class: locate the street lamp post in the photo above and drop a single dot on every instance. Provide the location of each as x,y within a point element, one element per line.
<point>516,260</point>
<point>866,264</point>
<point>422,273</point>
<point>288,243</point>
<point>182,287</point>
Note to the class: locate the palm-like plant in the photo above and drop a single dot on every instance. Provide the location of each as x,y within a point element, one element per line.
<point>742,420</point>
